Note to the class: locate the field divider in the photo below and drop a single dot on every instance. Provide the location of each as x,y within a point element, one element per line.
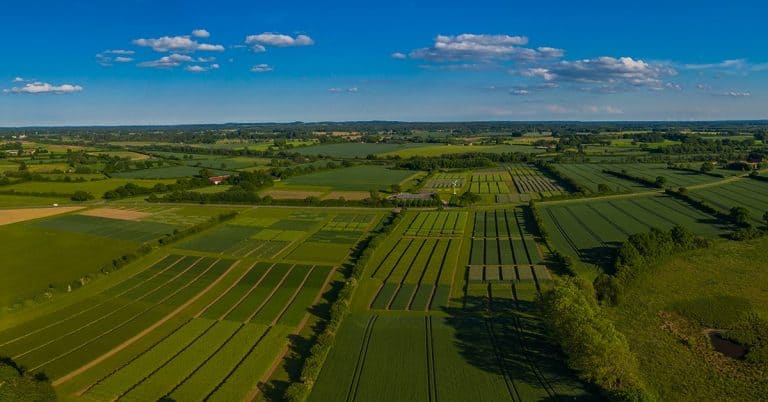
<point>98,304</point>
<point>239,363</point>
<point>269,296</point>
<point>132,340</point>
<point>115,311</point>
<point>423,272</point>
<point>225,291</point>
<point>245,296</point>
<point>405,275</point>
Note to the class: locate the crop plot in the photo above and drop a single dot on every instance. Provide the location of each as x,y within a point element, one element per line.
<point>118,229</point>
<point>446,181</point>
<point>748,193</point>
<point>531,182</point>
<point>437,224</point>
<point>489,183</point>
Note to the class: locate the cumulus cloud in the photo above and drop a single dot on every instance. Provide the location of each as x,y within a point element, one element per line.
<point>43,88</point>
<point>259,42</point>
<point>121,52</point>
<point>262,68</point>
<point>195,68</point>
<point>399,56</point>
<point>201,33</point>
<point>19,79</point>
<point>350,90</point>
<point>520,92</point>
<point>733,63</point>
<point>122,59</point>
<point>736,94</point>
<point>606,71</point>
<point>483,47</point>
<point>183,44</point>
<point>170,61</point>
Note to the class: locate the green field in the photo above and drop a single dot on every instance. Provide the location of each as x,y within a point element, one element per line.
<point>357,178</point>
<point>748,193</point>
<point>356,150</point>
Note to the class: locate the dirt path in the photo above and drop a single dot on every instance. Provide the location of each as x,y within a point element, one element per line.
<point>143,333</point>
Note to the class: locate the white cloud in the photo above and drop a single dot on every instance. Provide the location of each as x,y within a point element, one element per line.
<point>673,86</point>
<point>201,33</point>
<point>608,72</point>
<point>18,79</point>
<point>206,59</point>
<point>483,47</point>
<point>520,92</point>
<point>43,88</point>
<point>177,44</point>
<point>350,90</point>
<point>262,68</point>
<point>736,94</point>
<point>602,109</point>
<point>121,59</point>
<point>259,42</point>
<point>121,52</point>
<point>733,63</point>
<point>702,86</point>
<point>170,61</point>
<point>399,56</point>
<point>195,68</point>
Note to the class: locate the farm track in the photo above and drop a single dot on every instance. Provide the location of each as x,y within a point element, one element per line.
<point>353,387</point>
<point>146,331</point>
<point>113,311</point>
<point>81,312</point>
<point>431,371</point>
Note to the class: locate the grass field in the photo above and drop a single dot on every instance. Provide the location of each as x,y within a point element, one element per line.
<point>436,150</point>
<point>97,188</point>
<point>727,280</point>
<point>748,193</point>
<point>356,150</point>
<point>357,178</point>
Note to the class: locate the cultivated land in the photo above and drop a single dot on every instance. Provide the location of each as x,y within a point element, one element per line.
<point>171,288</point>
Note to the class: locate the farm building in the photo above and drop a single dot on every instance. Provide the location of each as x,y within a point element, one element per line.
<point>216,180</point>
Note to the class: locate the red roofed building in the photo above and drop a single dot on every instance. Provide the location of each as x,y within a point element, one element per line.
<point>216,180</point>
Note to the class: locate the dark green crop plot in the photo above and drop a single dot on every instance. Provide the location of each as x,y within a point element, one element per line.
<point>118,229</point>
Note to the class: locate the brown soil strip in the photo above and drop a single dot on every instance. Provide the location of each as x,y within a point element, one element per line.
<point>9,216</point>
<point>143,333</point>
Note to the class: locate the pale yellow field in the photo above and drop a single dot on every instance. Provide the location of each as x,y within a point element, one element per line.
<point>9,216</point>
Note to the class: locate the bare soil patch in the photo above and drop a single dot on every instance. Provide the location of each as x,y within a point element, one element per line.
<point>113,213</point>
<point>9,216</point>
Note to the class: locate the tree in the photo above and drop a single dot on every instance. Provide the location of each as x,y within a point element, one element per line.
<point>765,218</point>
<point>607,289</point>
<point>660,181</point>
<point>740,216</point>
<point>603,188</point>
<point>707,167</point>
<point>81,196</point>
<point>22,166</point>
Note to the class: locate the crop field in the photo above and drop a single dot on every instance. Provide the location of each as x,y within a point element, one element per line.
<point>436,150</point>
<point>415,268</point>
<point>589,230</point>
<point>9,216</point>
<point>590,176</point>
<point>489,183</point>
<point>164,173</point>
<point>446,181</point>
<point>97,188</point>
<point>356,150</point>
<point>118,229</point>
<point>530,181</point>
<point>356,178</point>
<point>747,193</point>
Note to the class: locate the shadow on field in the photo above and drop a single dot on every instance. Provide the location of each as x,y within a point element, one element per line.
<point>602,257</point>
<point>508,338</point>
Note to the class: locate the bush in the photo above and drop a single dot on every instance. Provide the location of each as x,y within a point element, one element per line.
<point>81,196</point>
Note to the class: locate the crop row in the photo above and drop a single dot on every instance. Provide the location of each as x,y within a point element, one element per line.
<point>501,223</point>
<point>437,223</point>
<point>491,187</point>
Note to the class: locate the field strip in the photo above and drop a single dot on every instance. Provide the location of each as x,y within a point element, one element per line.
<point>245,296</point>
<point>510,383</point>
<point>133,359</point>
<point>201,365</point>
<point>293,296</point>
<point>234,283</point>
<point>269,296</point>
<point>431,372</point>
<point>255,392</point>
<point>110,313</point>
<point>143,333</point>
<point>135,316</point>
<point>165,363</point>
<point>99,304</point>
<point>352,392</point>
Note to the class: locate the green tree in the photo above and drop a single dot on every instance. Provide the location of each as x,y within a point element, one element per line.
<point>740,216</point>
<point>81,196</point>
<point>707,167</point>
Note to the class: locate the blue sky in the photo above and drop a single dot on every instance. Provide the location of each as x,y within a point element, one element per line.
<point>170,62</point>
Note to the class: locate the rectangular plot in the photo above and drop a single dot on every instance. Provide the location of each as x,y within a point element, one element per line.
<point>492,273</point>
<point>282,296</point>
<point>384,296</point>
<point>422,298</point>
<point>508,273</point>
<point>478,252</point>
<point>300,306</point>
<point>507,255</point>
<point>259,294</point>
<point>476,273</point>
<point>524,273</point>
<point>440,299</point>
<point>521,257</point>
<point>403,297</point>
<point>491,252</point>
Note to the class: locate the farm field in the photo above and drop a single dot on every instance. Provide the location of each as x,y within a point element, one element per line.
<point>164,173</point>
<point>591,176</point>
<point>97,188</point>
<point>356,150</point>
<point>587,231</point>
<point>446,182</point>
<point>435,150</point>
<point>748,193</point>
<point>356,178</point>
<point>532,184</point>
<point>415,270</point>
